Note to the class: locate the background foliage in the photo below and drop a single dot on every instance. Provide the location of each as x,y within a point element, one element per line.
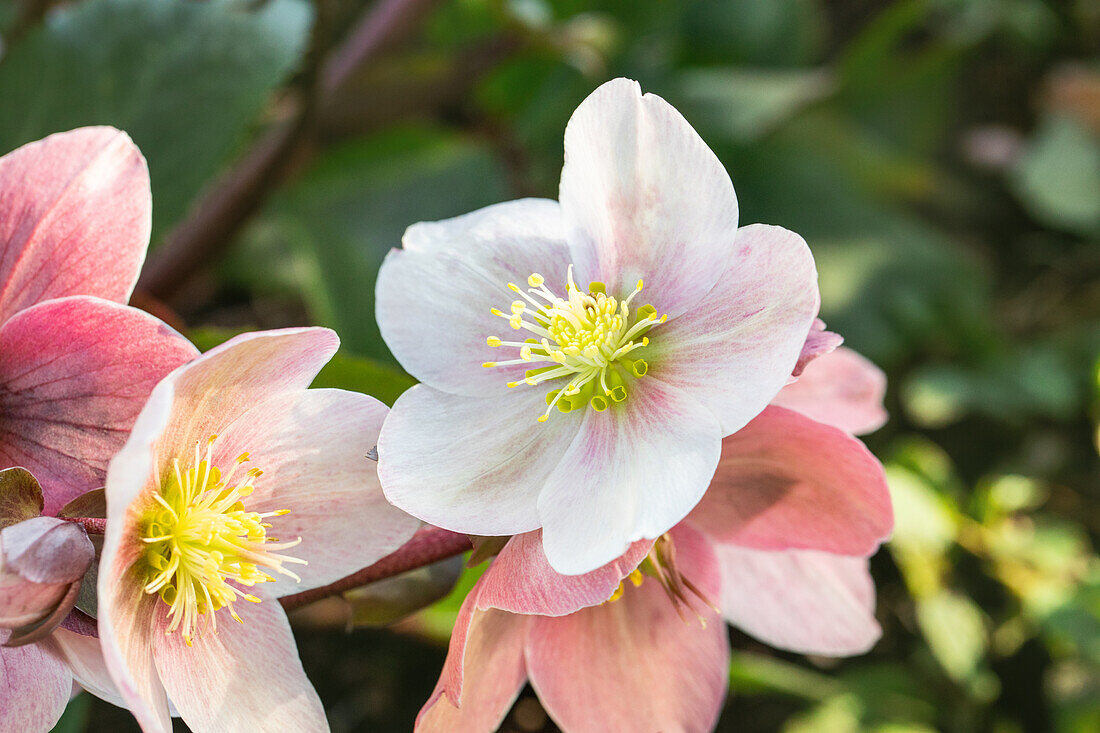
<point>942,157</point>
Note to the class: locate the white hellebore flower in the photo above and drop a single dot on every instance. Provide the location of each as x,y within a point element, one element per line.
<point>582,360</point>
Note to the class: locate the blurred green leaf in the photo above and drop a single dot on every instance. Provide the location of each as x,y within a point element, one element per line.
<point>755,674</point>
<point>954,628</point>
<point>745,104</point>
<point>184,79</point>
<point>1058,177</point>
<point>74,719</point>
<point>356,202</point>
<point>779,33</point>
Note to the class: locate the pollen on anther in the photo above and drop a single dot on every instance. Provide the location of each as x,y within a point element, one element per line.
<point>493,341</point>
<point>535,280</point>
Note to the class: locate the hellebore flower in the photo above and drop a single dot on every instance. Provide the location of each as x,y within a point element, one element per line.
<point>75,213</point>
<point>581,361</point>
<point>778,547</point>
<point>237,486</point>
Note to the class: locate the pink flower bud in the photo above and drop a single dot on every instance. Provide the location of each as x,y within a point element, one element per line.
<point>42,562</point>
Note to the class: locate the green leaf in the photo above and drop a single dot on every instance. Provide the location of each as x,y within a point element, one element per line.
<point>354,206</point>
<point>75,718</point>
<point>954,628</point>
<point>185,79</point>
<point>1058,178</point>
<point>20,496</point>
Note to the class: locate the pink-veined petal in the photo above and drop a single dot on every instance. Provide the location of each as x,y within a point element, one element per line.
<point>471,464</point>
<point>737,347</point>
<point>632,472</point>
<point>245,678</point>
<point>521,580</point>
<point>841,388</point>
<point>483,674</point>
<point>216,388</point>
<point>126,613</point>
<point>75,215</point>
<point>84,656</point>
<point>34,688</point>
<point>788,482</point>
<point>634,664</point>
<point>644,198</point>
<point>312,447</point>
<point>434,303</point>
<point>819,342</point>
<point>800,600</point>
<point>76,371</point>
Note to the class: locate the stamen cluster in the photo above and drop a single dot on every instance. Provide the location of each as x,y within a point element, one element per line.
<point>202,543</point>
<point>660,564</point>
<point>586,337</point>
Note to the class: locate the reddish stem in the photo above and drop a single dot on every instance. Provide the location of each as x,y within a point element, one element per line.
<point>92,525</point>
<point>428,545</point>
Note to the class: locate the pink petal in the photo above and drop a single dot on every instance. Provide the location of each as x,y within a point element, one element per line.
<point>75,214</point>
<point>34,688</point>
<point>631,473</point>
<point>434,302</point>
<point>788,482</point>
<point>800,600</point>
<point>312,446</point>
<point>127,633</point>
<point>736,348</point>
<point>634,664</point>
<point>84,657</point>
<point>521,580</point>
<point>40,559</point>
<point>75,373</point>
<point>219,386</point>
<point>645,198</point>
<point>482,676</point>
<point>246,677</point>
<point>841,388</point>
<point>470,464</point>
<point>818,343</point>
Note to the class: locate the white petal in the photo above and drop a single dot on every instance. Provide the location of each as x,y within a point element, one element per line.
<point>736,348</point>
<point>645,198</point>
<point>434,301</point>
<point>472,464</point>
<point>632,472</point>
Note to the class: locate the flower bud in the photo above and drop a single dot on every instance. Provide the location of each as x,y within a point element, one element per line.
<point>42,562</point>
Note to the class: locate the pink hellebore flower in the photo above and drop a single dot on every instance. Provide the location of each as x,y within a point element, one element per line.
<point>645,327</point>
<point>77,364</point>
<point>189,575</point>
<point>778,547</point>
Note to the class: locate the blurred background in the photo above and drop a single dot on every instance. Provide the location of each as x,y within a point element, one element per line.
<point>941,157</point>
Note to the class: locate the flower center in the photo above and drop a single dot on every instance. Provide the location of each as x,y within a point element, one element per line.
<point>660,565</point>
<point>199,539</point>
<point>587,338</point>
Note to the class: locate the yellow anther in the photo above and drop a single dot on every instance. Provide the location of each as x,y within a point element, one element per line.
<point>535,280</point>
<point>525,353</point>
<point>244,457</point>
<point>640,284</point>
<point>543,418</point>
<point>516,322</point>
<point>636,577</point>
<point>496,311</point>
<point>513,286</point>
<point>518,306</point>
<point>493,341</point>
<point>489,364</point>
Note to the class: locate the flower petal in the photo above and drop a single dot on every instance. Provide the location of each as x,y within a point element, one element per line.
<point>219,386</point>
<point>75,373</point>
<point>75,215</point>
<point>818,343</point>
<point>312,446</point>
<point>34,687</point>
<point>632,472</point>
<point>841,388</point>
<point>483,674</point>
<point>434,302</point>
<point>634,664</point>
<point>528,219</point>
<point>84,656</point>
<point>645,198</point>
<point>470,464</point>
<point>126,614</point>
<point>521,580</point>
<point>788,482</point>
<point>736,348</point>
<point>246,677</point>
<point>800,600</point>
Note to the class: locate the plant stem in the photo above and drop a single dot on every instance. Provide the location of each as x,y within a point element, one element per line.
<point>428,545</point>
<point>92,525</point>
